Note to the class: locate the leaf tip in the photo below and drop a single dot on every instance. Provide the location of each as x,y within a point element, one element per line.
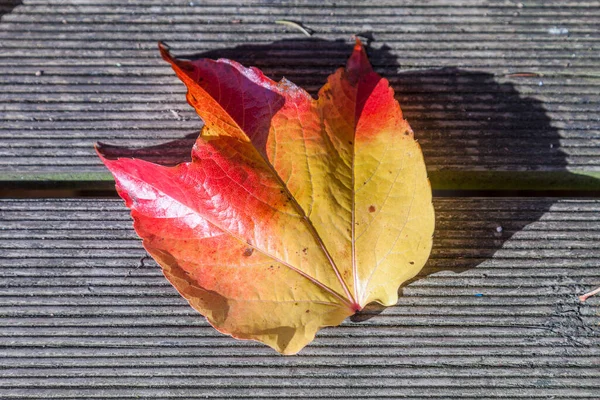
<point>165,53</point>
<point>358,64</point>
<point>98,146</point>
<point>164,50</point>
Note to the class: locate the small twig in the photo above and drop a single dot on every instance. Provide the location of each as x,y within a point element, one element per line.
<point>523,75</point>
<point>296,25</point>
<point>590,294</point>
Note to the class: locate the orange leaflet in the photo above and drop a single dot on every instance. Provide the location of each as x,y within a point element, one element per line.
<point>294,213</point>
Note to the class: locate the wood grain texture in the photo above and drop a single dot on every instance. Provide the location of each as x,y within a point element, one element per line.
<point>76,72</point>
<point>494,314</point>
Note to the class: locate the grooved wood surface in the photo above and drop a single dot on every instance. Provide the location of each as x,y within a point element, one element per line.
<point>494,314</point>
<point>501,94</point>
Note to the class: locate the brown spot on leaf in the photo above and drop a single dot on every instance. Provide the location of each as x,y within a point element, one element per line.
<point>411,262</point>
<point>371,208</point>
<point>305,250</point>
<point>307,311</point>
<point>248,252</point>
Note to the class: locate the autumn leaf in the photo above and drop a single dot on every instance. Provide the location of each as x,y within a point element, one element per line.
<point>294,213</point>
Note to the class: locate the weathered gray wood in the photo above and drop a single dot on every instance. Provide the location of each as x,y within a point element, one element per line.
<point>493,315</point>
<point>99,78</point>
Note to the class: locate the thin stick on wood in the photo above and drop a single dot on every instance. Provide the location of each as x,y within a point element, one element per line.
<point>524,75</point>
<point>295,25</point>
<point>590,294</point>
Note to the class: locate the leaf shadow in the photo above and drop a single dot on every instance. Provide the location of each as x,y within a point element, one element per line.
<point>464,120</point>
<point>6,6</point>
<point>168,154</point>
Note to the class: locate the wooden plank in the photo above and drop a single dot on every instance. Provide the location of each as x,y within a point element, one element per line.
<point>76,72</point>
<point>494,314</point>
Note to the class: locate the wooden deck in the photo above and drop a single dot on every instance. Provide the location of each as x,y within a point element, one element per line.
<point>502,95</point>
